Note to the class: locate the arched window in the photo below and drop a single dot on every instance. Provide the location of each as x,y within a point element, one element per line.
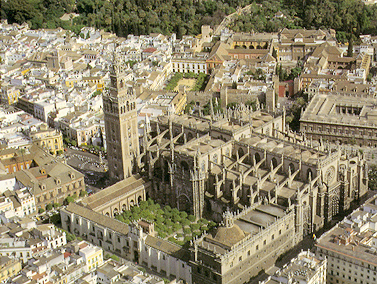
<point>184,165</point>
<point>309,173</point>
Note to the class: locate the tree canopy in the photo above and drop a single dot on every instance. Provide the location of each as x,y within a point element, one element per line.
<point>347,17</point>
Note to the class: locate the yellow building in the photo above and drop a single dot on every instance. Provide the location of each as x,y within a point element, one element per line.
<point>98,80</point>
<point>70,83</point>
<point>92,255</point>
<point>9,95</point>
<point>48,138</point>
<point>5,204</point>
<point>179,102</point>
<point>9,267</point>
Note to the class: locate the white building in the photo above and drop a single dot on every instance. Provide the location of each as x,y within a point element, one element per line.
<point>306,268</point>
<point>351,247</point>
<point>187,62</point>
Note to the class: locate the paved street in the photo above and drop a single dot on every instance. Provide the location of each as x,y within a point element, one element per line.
<point>91,166</point>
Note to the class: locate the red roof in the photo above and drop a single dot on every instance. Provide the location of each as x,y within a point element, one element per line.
<point>83,245</point>
<point>150,50</point>
<point>66,254</point>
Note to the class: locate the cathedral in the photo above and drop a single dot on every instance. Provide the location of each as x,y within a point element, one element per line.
<point>206,165</point>
<point>266,186</point>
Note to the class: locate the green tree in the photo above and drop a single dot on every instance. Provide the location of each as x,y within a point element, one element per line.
<point>350,47</point>
<point>49,207</point>
<point>70,237</point>
<point>372,177</point>
<point>56,220</point>
<point>114,257</point>
<point>295,72</point>
<point>68,200</point>
<point>191,218</point>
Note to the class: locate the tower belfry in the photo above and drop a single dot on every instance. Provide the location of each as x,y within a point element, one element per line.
<point>119,105</point>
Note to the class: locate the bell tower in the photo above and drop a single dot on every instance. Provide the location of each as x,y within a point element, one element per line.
<point>119,106</point>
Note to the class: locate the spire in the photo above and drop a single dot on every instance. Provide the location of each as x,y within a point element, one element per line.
<point>228,219</point>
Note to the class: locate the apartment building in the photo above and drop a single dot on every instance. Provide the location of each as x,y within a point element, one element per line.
<point>306,268</point>
<point>351,247</point>
<point>48,138</point>
<point>190,62</point>
<point>9,267</point>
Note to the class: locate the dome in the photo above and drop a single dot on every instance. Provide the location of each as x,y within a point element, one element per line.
<point>229,236</point>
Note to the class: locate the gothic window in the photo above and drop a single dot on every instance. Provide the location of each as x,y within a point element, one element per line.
<point>203,167</point>
<point>257,157</point>
<point>274,162</point>
<point>309,173</point>
<point>128,106</point>
<point>185,166</point>
<point>291,168</point>
<point>330,173</point>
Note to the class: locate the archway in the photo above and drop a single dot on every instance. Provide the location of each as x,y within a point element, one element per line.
<point>240,152</point>
<point>115,212</point>
<point>208,206</point>
<point>309,173</point>
<point>139,199</point>
<point>184,165</point>
<point>257,157</point>
<point>184,203</point>
<point>124,207</point>
<point>274,162</point>
<point>291,168</point>
<point>132,203</point>
<point>166,171</point>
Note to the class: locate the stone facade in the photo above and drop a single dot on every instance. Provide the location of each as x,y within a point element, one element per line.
<point>119,197</point>
<point>119,106</point>
<point>206,175</point>
<point>135,242</point>
<point>347,117</point>
<point>245,244</point>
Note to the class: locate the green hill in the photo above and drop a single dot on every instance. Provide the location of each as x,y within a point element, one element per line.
<point>186,16</point>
